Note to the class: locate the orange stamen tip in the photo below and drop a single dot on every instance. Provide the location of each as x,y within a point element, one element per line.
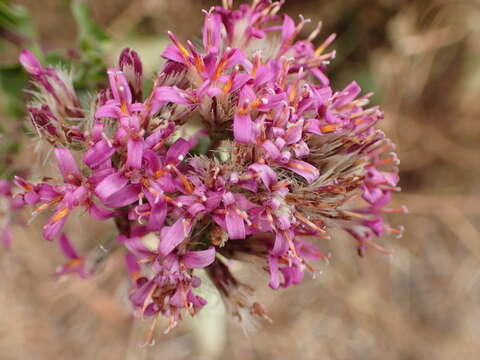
<point>300,167</point>
<point>329,128</point>
<point>159,173</point>
<point>61,214</point>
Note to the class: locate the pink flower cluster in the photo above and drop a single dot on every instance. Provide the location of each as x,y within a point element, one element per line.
<point>289,158</point>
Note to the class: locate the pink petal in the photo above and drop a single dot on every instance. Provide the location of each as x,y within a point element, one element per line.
<point>268,176</point>
<point>157,216</point>
<point>304,169</point>
<point>347,95</point>
<point>280,246</point>
<point>172,53</point>
<point>134,153</point>
<point>108,110</point>
<point>172,94</point>
<point>294,133</point>
<point>129,63</point>
<point>126,196</point>
<point>98,154</point>
<point>274,272</point>
<point>243,128</point>
<point>31,198</point>
<point>177,151</point>
<point>211,32</point>
<point>119,87</point>
<point>292,275</point>
<point>67,165</point>
<point>132,266</point>
<point>199,259</point>
<point>110,185</point>
<point>173,235</point>
<point>271,150</point>
<point>288,29</point>
<point>235,225</point>
<point>30,62</point>
<point>54,227</point>
<point>159,135</point>
<point>66,247</point>
<point>139,297</point>
<point>99,213</point>
<point>136,246</point>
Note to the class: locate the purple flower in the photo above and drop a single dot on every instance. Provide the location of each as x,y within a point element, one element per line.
<point>131,66</point>
<point>287,159</point>
<point>76,264</point>
<point>54,84</point>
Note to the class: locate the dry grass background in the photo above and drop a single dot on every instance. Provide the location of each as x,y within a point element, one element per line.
<point>422,58</point>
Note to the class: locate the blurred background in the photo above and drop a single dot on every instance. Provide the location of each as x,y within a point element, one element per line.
<point>422,60</point>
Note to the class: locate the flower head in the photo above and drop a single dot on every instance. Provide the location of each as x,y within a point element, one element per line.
<point>289,159</point>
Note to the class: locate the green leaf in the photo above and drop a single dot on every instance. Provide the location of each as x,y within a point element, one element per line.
<point>15,18</point>
<point>12,82</point>
<point>90,34</point>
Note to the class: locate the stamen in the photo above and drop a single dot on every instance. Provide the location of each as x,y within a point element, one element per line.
<point>290,244</point>
<point>281,184</point>
<point>45,206</point>
<point>309,223</point>
<point>315,32</point>
<point>329,128</point>
<point>300,167</point>
<point>183,51</point>
<point>325,44</point>
<point>403,209</point>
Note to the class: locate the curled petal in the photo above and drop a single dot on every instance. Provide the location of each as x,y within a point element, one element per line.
<point>268,176</point>
<point>271,150</point>
<point>304,169</point>
<point>199,259</point>
<point>280,246</point>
